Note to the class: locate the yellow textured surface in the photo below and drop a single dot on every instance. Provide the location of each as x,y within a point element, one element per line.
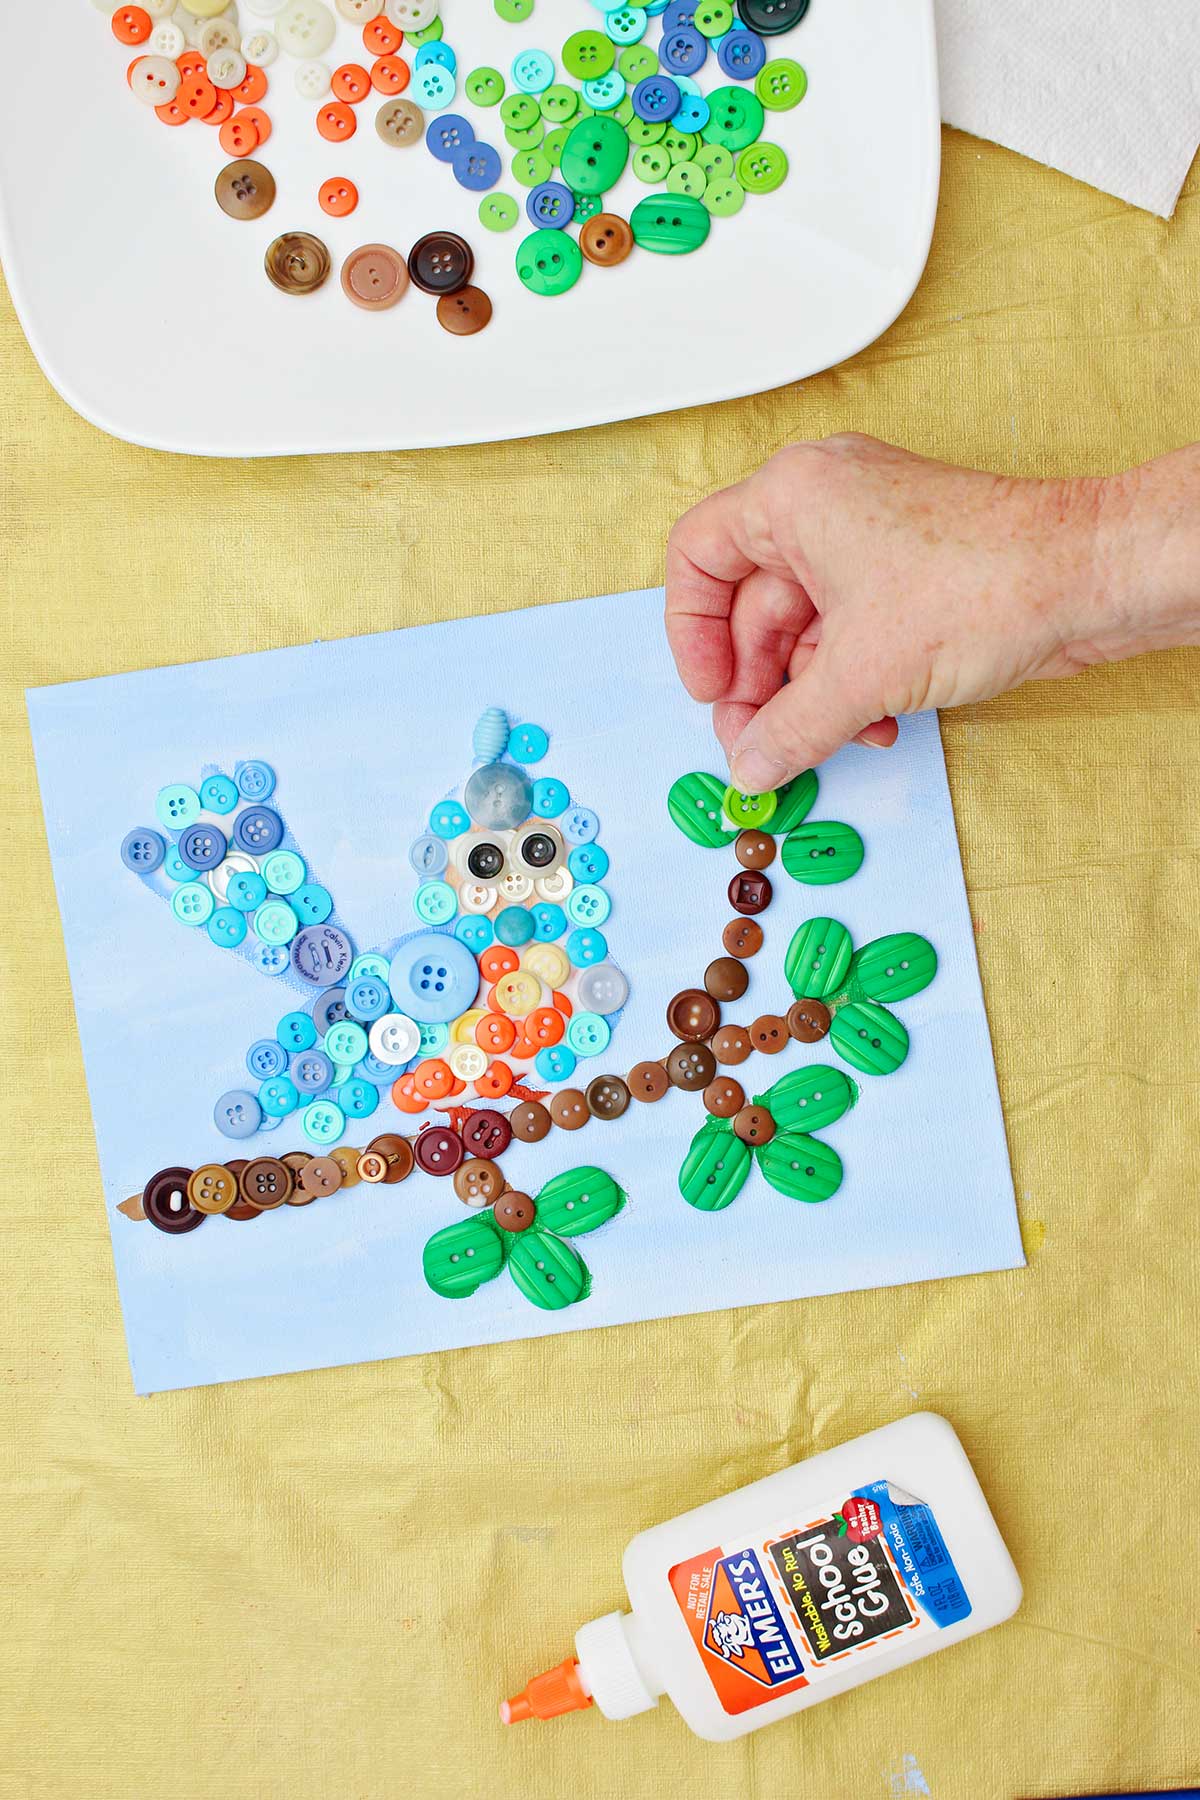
<point>318,1586</point>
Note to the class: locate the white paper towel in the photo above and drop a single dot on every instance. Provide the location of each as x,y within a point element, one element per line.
<point>1106,90</point>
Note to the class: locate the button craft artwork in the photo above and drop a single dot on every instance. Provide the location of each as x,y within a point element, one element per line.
<point>489,1013</point>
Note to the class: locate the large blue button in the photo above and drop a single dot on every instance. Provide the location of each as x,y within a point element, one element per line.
<point>203,846</point>
<point>143,851</point>
<point>434,978</point>
<point>259,830</point>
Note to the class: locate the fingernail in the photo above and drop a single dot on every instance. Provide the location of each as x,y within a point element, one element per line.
<point>754,773</point>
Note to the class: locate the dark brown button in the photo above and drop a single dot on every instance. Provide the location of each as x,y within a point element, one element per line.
<point>607,1096</point>
<point>693,1015</point>
<point>691,1067</point>
<point>754,849</point>
<point>297,263</point>
<point>441,262</point>
<point>732,1044</point>
<point>478,1182</point>
<point>165,1202</point>
<point>374,277</point>
<point>320,1177</point>
<point>438,1150</point>
<point>486,1133</point>
<point>769,1034</point>
<point>754,1125</point>
<point>726,979</point>
<point>606,239</point>
<point>724,1097</point>
<point>648,1081</point>
<point>464,312</point>
<point>242,1209</point>
<point>400,122</point>
<point>569,1109</point>
<point>266,1182</point>
<point>396,1154</point>
<point>297,1161</point>
<point>809,1021</point>
<point>514,1211</point>
<point>750,892</point>
<point>530,1122</point>
<point>245,190</point>
<point>743,937</point>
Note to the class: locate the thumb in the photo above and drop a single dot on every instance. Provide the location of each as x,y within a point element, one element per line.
<point>806,721</point>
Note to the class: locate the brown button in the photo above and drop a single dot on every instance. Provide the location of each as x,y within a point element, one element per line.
<point>648,1081</point>
<point>607,1096</point>
<point>606,239</point>
<point>486,1133</point>
<point>726,978</point>
<point>569,1109</point>
<point>372,1167</point>
<point>691,1066</point>
<point>166,1204</point>
<point>321,1176</point>
<point>347,1161</point>
<point>693,1015</point>
<point>754,849</point>
<point>750,893</point>
<point>479,1182</point>
<point>438,1150</point>
<point>809,1021</point>
<point>743,937</point>
<point>297,263</point>
<point>530,1122</point>
<point>374,277</point>
<point>242,1209</point>
<point>724,1097</point>
<point>465,312</point>
<point>732,1044</point>
<point>400,122</point>
<point>514,1211</point>
<point>754,1125</point>
<point>397,1155</point>
<point>212,1189</point>
<point>245,190</point>
<point>266,1183</point>
<point>441,262</point>
<point>769,1034</point>
<point>297,1161</point>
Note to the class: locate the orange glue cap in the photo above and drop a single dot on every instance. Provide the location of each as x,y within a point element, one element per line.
<point>559,1690</point>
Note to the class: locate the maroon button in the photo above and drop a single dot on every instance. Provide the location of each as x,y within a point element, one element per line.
<point>743,937</point>
<point>754,849</point>
<point>165,1202</point>
<point>242,1209</point>
<point>487,1134</point>
<point>693,1015</point>
<point>441,262</point>
<point>750,892</point>
<point>648,1081</point>
<point>530,1122</point>
<point>726,979</point>
<point>514,1211</point>
<point>438,1150</point>
<point>691,1066</point>
<point>809,1021</point>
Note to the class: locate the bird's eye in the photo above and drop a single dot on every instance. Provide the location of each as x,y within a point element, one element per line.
<point>485,861</point>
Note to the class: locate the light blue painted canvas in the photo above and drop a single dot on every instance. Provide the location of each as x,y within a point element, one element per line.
<point>365,736</point>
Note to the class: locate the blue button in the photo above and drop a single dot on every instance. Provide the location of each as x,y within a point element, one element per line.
<point>270,959</point>
<point>656,97</point>
<point>588,862</point>
<point>279,1096</point>
<point>586,946</point>
<point>580,826</point>
<point>357,1098</point>
<point>269,1122</point>
<point>266,1058</point>
<point>433,1039</point>
<point>174,866</point>
<point>312,903</point>
<point>476,933</point>
<point>549,921</point>
<point>227,927</point>
<point>682,51</point>
<point>177,805</point>
<point>693,115</point>
<point>552,205</point>
<point>514,926</point>
<point>446,136</point>
<point>741,54</point>
<point>528,743</point>
<point>550,797</point>
<point>255,780</point>
<point>589,1034</point>
<point>296,1031</point>
<point>322,1122</point>
<point>532,71</point>
<point>237,1114</point>
<point>368,962</point>
<point>555,1063</point>
<point>477,167</point>
<point>448,819</point>
<point>203,846</point>
<point>218,794</point>
<point>143,851</point>
<point>433,86</point>
<point>379,1074</point>
<point>677,13</point>
<point>258,830</point>
<point>329,1010</point>
<point>435,902</point>
<point>434,977</point>
<point>428,855</point>
<point>312,1071</point>
<point>588,905</point>
<point>436,52</point>
<point>367,999</point>
<point>246,890</point>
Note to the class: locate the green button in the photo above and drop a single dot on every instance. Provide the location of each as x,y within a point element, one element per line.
<point>428,34</point>
<point>623,112</point>
<point>687,178</point>
<point>530,167</point>
<point>749,811</point>
<point>636,62</point>
<point>669,223</point>
<point>681,146</point>
<point>723,197</point>
<point>781,84</point>
<point>713,18</point>
<point>736,118</point>
<point>594,156</point>
<point>715,160</point>
<point>559,103</point>
<point>761,168</point>
<point>525,140</point>
<point>645,131</point>
<point>484,86</point>
<point>549,262</point>
<point>587,206</point>
<point>552,143</point>
<point>651,164</point>
<point>515,12</point>
<point>499,212</point>
<point>520,111</point>
<point>588,53</point>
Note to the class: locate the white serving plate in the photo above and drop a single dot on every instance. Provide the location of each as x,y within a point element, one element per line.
<point>149,311</point>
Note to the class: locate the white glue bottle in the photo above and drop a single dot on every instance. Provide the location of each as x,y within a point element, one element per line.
<point>795,1588</point>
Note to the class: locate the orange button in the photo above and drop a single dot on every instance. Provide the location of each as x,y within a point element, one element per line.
<point>562,1004</point>
<point>433,1079</point>
<point>545,1026</point>
<point>389,74</point>
<point>495,1033</point>
<point>132,25</point>
<point>381,37</point>
<point>239,136</point>
<point>222,110</point>
<point>351,82</point>
<point>196,95</point>
<point>254,115</point>
<point>498,960</point>
<point>251,88</point>
<point>405,1096</point>
<point>171,113</point>
<point>192,62</point>
<point>495,1081</point>
<point>336,122</point>
<point>337,196</point>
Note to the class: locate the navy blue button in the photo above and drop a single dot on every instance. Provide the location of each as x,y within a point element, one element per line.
<point>477,167</point>
<point>434,977</point>
<point>514,926</point>
<point>203,846</point>
<point>143,851</point>
<point>656,97</point>
<point>312,1071</point>
<point>551,204</point>
<point>448,133</point>
<point>475,932</point>
<point>266,1058</point>
<point>683,51</point>
<point>679,12</point>
<point>741,55</point>
<point>367,999</point>
<point>256,780</point>
<point>258,830</point>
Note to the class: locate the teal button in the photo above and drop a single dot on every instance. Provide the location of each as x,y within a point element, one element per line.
<point>435,902</point>
<point>448,819</point>
<point>177,805</point>
<point>434,1038</point>
<point>368,963</point>
<point>275,922</point>
<point>193,904</point>
<point>283,871</point>
<point>279,1096</point>
<point>227,927</point>
<point>588,905</point>
<point>588,1034</point>
<point>514,926</point>
<point>323,1122</point>
<point>605,92</point>
<point>345,1042</point>
<point>218,794</point>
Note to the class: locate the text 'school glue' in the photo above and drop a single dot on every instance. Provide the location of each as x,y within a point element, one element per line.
<point>795,1588</point>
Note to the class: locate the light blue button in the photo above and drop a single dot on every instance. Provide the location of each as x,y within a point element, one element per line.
<point>193,904</point>
<point>604,91</point>
<point>555,1063</point>
<point>266,1058</point>
<point>283,871</point>
<point>218,794</point>
<point>580,826</point>
<point>588,905</point>
<point>379,1074</point>
<point>694,112</point>
<point>346,1042</point>
<point>434,978</point>
<point>533,71</point>
<point>296,1031</point>
<point>270,959</point>
<point>312,1072</point>
<point>367,998</point>
<point>343,1071</point>
<point>549,921</point>
<point>368,962</point>
<point>275,922</point>
<point>448,819</point>
<point>245,890</point>
<point>227,927</point>
<point>550,797</point>
<point>436,52</point>
<point>237,1114</point>
<point>268,1122</point>
<point>588,862</point>
<point>429,855</point>
<point>626,24</point>
<point>586,946</point>
<point>475,932</point>
<point>528,743</point>
<point>433,86</point>
<point>434,1039</point>
<point>174,867</point>
<point>255,780</point>
<point>435,902</point>
<point>357,1098</point>
<point>588,1034</point>
<point>279,1096</point>
<point>177,805</point>
<point>143,851</point>
<point>312,903</point>
<point>323,1122</point>
<point>514,926</point>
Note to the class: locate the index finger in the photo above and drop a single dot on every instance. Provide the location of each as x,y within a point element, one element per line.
<point>707,555</point>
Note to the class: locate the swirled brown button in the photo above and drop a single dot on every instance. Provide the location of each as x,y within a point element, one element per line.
<point>464,312</point>
<point>743,937</point>
<point>211,1188</point>
<point>648,1081</point>
<point>726,979</point>
<point>691,1067</point>
<point>754,1125</point>
<point>245,189</point>
<point>441,262</point>
<point>297,263</point>
<point>607,1097</point>
<point>241,1208</point>
<point>514,1211</point>
<point>297,1161</point>
<point>750,892</point>
<point>693,1015</point>
<point>400,122</point>
<point>397,1155</point>
<point>438,1150</point>
<point>347,1161</point>
<point>486,1133</point>
<point>320,1177</point>
<point>374,277</point>
<point>569,1109</point>
<point>724,1096</point>
<point>479,1182</point>
<point>769,1033</point>
<point>530,1122</point>
<point>266,1182</point>
<point>606,239</point>
<point>754,849</point>
<point>808,1021</point>
<point>732,1044</point>
<point>165,1202</point>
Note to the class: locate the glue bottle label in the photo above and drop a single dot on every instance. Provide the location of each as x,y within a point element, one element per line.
<point>780,1615</point>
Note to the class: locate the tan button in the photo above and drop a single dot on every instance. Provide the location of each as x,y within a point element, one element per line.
<point>754,1125</point>
<point>297,263</point>
<point>321,1176</point>
<point>479,1182</point>
<point>464,313</point>
<point>754,849</point>
<point>212,1189</point>
<point>769,1034</point>
<point>245,190</point>
<point>374,277</point>
<point>530,1122</point>
<point>514,1211</point>
<point>724,1097</point>
<point>732,1044</point>
<point>569,1109</point>
<point>400,122</point>
<point>606,239</point>
<point>691,1067</point>
<point>726,979</point>
<point>743,937</point>
<point>693,1015</point>
<point>347,1161</point>
<point>808,1021</point>
<point>648,1081</point>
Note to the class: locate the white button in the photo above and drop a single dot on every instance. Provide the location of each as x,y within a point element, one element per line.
<point>158,9</point>
<point>217,34</point>
<point>555,886</point>
<point>265,9</point>
<point>166,39</point>
<point>359,12</point>
<point>312,80</point>
<point>413,15</point>
<point>394,1039</point>
<point>602,988</point>
<point>305,28</point>
<point>238,862</point>
<point>516,886</point>
<point>260,48</point>
<point>476,897</point>
<point>468,1062</point>
<point>226,68</point>
<point>155,80</point>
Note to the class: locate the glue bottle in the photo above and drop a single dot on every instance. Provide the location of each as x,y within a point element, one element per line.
<point>793,1589</point>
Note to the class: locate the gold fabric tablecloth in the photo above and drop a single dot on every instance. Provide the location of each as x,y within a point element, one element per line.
<point>317,1587</point>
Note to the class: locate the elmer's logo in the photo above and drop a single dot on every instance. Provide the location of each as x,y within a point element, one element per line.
<point>744,1628</point>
